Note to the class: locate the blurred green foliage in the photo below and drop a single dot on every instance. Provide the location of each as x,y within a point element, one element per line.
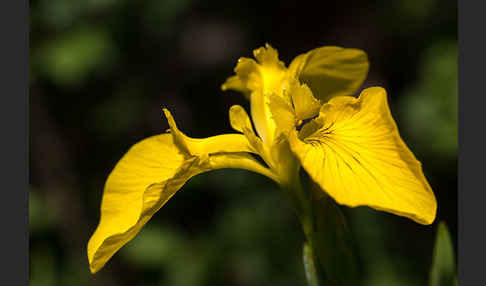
<point>71,58</point>
<point>433,100</point>
<point>160,17</point>
<point>40,218</point>
<point>100,72</point>
<point>61,14</point>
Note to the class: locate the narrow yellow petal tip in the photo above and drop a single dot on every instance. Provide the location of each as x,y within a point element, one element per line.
<point>94,267</point>
<point>167,114</point>
<point>172,124</point>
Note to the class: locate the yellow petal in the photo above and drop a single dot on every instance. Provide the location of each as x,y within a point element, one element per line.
<point>241,122</point>
<point>239,119</point>
<point>250,81</point>
<point>214,144</point>
<point>272,71</point>
<point>305,104</point>
<point>271,79</point>
<point>267,55</point>
<point>149,174</point>
<point>282,114</point>
<point>278,157</point>
<point>127,199</point>
<point>354,152</point>
<point>284,162</point>
<point>244,80</point>
<point>258,79</point>
<point>234,83</point>
<point>331,71</point>
<point>262,117</point>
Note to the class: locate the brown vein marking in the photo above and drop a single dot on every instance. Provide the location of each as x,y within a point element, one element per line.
<point>357,161</point>
<point>314,142</point>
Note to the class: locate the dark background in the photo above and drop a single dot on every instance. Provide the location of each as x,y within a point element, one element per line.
<point>102,70</point>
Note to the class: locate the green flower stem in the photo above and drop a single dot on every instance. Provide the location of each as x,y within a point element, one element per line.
<point>302,201</point>
<point>310,266</point>
<point>328,252</point>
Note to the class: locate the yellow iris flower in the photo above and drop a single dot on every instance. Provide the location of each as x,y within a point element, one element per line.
<point>304,115</point>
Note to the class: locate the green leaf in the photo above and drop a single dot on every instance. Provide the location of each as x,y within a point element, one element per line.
<point>443,271</point>
<point>332,242</point>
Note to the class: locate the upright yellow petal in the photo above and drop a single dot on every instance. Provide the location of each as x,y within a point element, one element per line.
<point>331,71</point>
<point>267,56</point>
<point>272,70</point>
<point>354,152</point>
<point>262,117</point>
<point>259,79</point>
<point>239,119</point>
<point>244,80</point>
<point>282,113</point>
<point>305,104</point>
<point>241,122</point>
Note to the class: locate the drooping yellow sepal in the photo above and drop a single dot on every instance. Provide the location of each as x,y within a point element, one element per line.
<point>150,173</point>
<point>354,152</point>
<point>129,200</point>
